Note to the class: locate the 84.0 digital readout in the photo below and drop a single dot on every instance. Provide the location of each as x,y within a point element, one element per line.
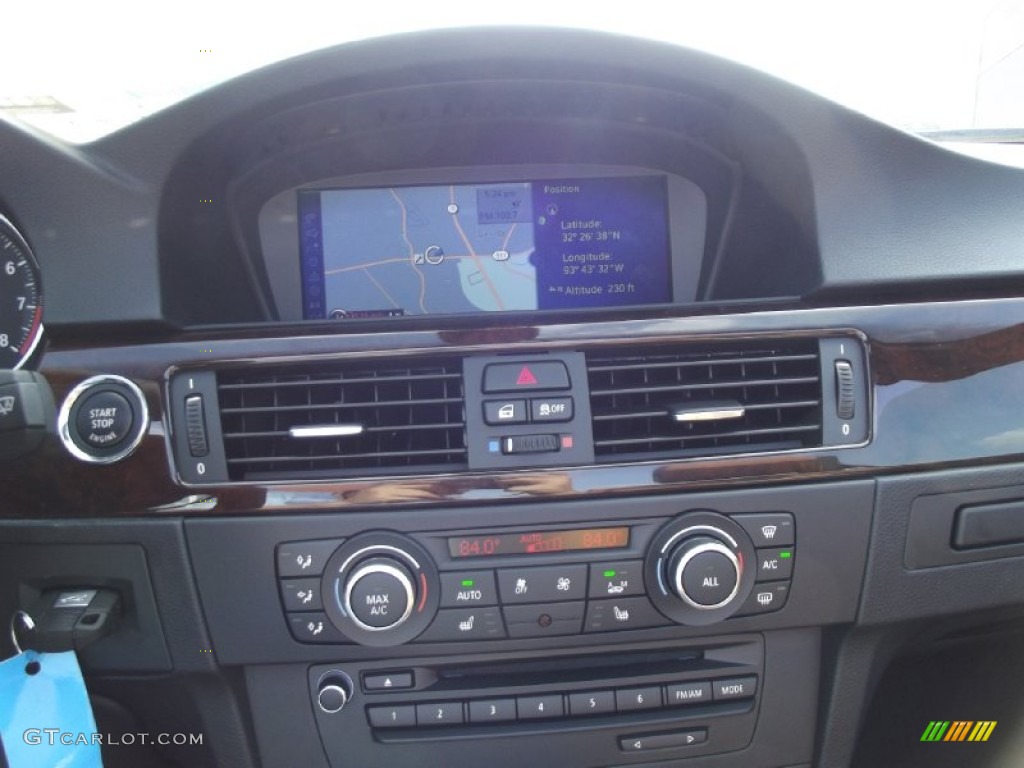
<point>538,541</point>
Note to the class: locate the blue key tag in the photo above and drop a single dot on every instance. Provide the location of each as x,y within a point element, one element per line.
<point>45,717</point>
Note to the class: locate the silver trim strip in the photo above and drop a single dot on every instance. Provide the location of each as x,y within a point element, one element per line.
<point>327,430</point>
<point>709,412</point>
<point>64,418</point>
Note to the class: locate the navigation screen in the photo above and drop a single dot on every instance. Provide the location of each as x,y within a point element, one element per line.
<point>525,245</point>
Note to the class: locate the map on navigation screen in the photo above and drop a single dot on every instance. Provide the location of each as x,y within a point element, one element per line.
<point>525,245</point>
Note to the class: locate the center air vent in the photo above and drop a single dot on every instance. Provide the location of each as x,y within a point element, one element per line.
<point>674,402</point>
<point>336,420</point>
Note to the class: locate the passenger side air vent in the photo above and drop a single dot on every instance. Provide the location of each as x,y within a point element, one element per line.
<point>664,402</point>
<point>335,420</point>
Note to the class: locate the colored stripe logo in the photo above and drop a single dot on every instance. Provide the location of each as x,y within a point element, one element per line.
<point>958,730</point>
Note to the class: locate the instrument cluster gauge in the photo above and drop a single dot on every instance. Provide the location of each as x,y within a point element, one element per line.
<point>21,299</point>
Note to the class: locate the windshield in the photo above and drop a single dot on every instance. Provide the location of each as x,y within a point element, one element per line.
<point>82,70</point>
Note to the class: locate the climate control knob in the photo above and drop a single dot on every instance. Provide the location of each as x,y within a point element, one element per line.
<point>379,594</point>
<point>704,573</point>
<point>699,568</point>
<point>380,589</point>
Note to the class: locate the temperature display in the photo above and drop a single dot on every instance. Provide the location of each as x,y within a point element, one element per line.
<point>539,541</point>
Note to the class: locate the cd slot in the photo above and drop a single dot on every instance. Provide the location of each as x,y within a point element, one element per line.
<point>570,670</point>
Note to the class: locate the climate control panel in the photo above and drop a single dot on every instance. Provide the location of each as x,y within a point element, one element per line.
<point>382,588</point>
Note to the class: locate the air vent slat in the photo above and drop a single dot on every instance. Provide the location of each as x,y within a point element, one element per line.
<point>329,381</point>
<point>737,433</point>
<point>286,459</point>
<point>339,405</point>
<point>412,419</point>
<point>706,385</point>
<point>694,363</point>
<point>749,407</point>
<point>399,428</point>
<point>774,386</point>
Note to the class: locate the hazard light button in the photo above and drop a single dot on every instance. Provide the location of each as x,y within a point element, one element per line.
<point>519,377</point>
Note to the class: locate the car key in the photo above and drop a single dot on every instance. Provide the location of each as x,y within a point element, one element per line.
<point>72,619</point>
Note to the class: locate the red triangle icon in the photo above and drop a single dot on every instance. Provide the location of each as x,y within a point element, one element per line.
<point>526,377</point>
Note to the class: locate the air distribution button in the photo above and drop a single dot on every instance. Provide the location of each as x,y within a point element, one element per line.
<point>380,594</point>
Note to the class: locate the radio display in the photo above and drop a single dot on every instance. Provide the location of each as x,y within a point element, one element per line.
<point>536,542</point>
<point>494,247</point>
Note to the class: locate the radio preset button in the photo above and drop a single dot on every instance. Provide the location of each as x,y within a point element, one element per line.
<point>439,713</point>
<point>459,624</point>
<point>492,710</point>
<point>591,703</point>
<point>633,699</point>
<point>555,583</point>
<point>537,707</point>
<point>468,588</point>
<point>402,716</point>
<point>620,578</point>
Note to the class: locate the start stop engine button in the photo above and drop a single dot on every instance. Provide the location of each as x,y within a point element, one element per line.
<point>104,420</point>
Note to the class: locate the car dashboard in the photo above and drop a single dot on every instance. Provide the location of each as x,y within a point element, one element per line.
<point>516,397</point>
